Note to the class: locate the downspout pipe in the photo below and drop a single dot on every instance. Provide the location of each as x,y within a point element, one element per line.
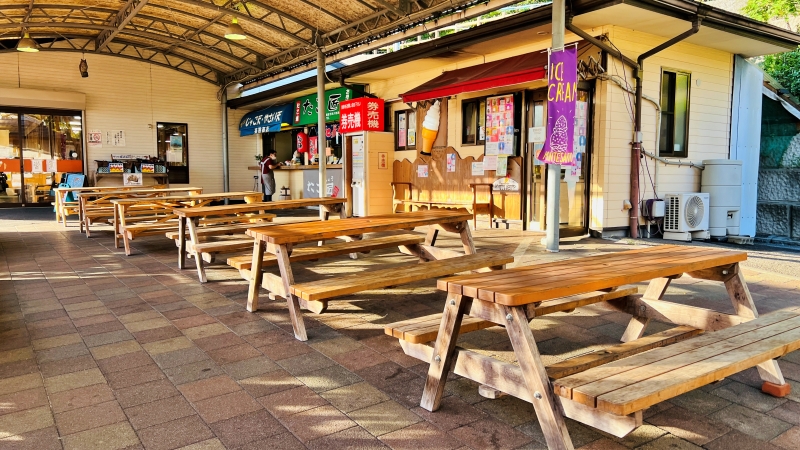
<point>636,145</point>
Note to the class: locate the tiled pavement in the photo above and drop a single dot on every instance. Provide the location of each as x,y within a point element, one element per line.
<point>103,351</point>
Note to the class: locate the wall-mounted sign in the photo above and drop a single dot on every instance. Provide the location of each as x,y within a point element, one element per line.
<point>267,120</point>
<point>361,114</point>
<point>95,138</point>
<point>500,125</point>
<point>306,108</point>
<point>132,179</point>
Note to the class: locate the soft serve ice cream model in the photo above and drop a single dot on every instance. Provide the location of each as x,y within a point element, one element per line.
<point>430,128</point>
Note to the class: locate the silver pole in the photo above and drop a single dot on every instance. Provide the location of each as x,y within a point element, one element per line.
<point>225,163</point>
<point>321,143</point>
<point>554,170</point>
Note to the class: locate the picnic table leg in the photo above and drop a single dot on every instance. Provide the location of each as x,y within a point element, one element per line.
<point>80,213</point>
<point>198,258</point>
<point>181,242</point>
<point>433,233</point>
<point>466,239</point>
<point>117,228</point>
<point>255,275</point>
<point>444,350</point>
<point>548,412</point>
<point>769,371</point>
<point>123,211</point>
<point>637,325</point>
<point>282,254</point>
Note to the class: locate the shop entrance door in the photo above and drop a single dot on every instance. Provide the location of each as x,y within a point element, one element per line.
<point>574,195</point>
<point>36,148</point>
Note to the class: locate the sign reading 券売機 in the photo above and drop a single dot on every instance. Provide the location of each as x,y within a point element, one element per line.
<point>305,108</point>
<point>562,91</point>
<point>361,114</point>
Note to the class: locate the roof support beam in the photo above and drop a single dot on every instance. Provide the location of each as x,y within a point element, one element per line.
<point>119,22</point>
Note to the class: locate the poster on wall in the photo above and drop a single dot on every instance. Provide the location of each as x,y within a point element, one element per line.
<point>401,130</point>
<point>490,162</point>
<point>477,169</point>
<point>95,138</point>
<point>422,171</point>
<point>37,165</point>
<point>50,165</point>
<point>562,94</point>
<point>451,162</point>
<point>499,125</point>
<point>502,166</point>
<point>117,138</point>
<point>412,129</point>
<point>175,152</point>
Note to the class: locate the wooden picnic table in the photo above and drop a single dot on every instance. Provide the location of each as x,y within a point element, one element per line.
<point>61,193</point>
<point>278,240</point>
<point>192,216</point>
<point>90,198</point>
<point>166,207</point>
<point>607,389</point>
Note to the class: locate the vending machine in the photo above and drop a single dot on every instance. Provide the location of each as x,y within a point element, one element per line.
<point>370,158</point>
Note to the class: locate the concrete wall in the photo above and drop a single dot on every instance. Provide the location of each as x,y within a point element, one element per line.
<point>123,94</point>
<point>778,211</point>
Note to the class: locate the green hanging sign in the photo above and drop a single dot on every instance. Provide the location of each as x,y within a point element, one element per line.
<point>305,108</point>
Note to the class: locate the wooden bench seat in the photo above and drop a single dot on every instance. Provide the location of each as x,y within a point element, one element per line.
<point>376,279</point>
<point>425,329</point>
<point>227,246</point>
<point>245,262</point>
<point>632,384</point>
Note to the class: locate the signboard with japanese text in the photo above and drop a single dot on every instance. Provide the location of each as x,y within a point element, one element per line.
<point>361,114</point>
<point>562,90</point>
<point>306,108</point>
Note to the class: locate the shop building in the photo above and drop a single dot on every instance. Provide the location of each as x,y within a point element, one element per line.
<point>692,108</point>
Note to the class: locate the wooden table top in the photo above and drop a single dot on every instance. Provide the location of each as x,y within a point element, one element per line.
<point>547,281</point>
<point>185,198</point>
<point>313,231</point>
<point>252,207</point>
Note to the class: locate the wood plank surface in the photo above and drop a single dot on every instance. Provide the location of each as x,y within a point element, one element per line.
<point>349,284</point>
<point>332,249</point>
<point>587,386</point>
<point>309,232</point>
<point>529,284</point>
<point>265,206</point>
<point>425,329</point>
<point>650,391</point>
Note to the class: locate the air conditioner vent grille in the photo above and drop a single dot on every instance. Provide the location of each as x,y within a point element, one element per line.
<point>672,215</point>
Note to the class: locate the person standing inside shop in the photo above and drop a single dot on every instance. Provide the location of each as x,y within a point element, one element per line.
<point>268,165</point>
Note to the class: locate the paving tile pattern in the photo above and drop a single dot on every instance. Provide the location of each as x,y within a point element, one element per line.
<point>103,351</point>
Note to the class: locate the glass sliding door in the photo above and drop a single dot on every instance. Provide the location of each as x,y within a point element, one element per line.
<point>36,149</point>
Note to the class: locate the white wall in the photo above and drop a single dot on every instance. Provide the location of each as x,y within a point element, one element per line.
<point>124,94</point>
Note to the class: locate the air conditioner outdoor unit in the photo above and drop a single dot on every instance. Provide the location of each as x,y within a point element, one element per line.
<point>686,217</point>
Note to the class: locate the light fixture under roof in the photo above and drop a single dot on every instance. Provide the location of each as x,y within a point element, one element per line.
<point>27,45</point>
<point>235,31</point>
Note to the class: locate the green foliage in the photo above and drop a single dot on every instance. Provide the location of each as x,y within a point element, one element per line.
<point>785,68</point>
<point>765,10</point>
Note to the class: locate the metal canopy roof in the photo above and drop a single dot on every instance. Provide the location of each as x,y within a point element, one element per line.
<point>188,35</point>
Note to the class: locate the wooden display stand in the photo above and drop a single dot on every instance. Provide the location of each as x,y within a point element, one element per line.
<point>458,189</point>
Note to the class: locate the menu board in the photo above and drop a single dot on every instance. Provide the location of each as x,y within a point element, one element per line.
<point>500,125</point>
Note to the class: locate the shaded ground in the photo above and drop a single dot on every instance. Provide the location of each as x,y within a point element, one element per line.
<point>99,350</point>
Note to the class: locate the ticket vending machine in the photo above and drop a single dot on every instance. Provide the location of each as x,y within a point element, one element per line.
<point>369,169</point>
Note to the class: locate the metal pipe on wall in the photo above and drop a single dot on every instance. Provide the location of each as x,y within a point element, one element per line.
<point>321,108</point>
<point>225,163</point>
<point>636,145</point>
<point>552,220</point>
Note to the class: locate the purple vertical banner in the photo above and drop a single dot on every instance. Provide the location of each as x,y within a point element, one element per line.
<point>562,91</point>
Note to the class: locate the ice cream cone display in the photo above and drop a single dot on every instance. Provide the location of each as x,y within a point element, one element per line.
<point>430,128</point>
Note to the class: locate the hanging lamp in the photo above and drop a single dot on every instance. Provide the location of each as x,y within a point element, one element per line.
<point>235,31</point>
<point>27,45</point>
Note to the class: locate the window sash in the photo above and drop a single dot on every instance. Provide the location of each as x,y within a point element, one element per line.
<point>674,102</point>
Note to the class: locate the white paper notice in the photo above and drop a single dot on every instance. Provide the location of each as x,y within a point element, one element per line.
<point>95,138</point>
<point>37,165</point>
<point>118,138</point>
<point>132,179</point>
<point>477,169</point>
<point>490,162</point>
<point>50,165</point>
